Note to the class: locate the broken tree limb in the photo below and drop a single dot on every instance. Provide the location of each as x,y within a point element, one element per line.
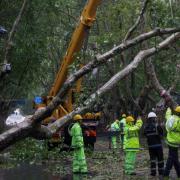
<point>161,104</point>
<point>127,36</point>
<point>142,55</point>
<point>156,84</point>
<point>99,60</point>
<point>133,65</point>
<point>21,131</point>
<point>16,133</point>
<point>27,128</point>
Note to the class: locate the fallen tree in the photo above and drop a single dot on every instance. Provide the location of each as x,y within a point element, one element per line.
<point>32,127</point>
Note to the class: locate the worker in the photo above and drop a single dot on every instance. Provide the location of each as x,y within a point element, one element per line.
<point>153,133</point>
<point>122,125</point>
<point>114,134</point>
<point>79,160</point>
<point>131,143</point>
<point>173,140</point>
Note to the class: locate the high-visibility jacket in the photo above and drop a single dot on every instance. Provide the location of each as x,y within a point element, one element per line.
<point>115,126</point>
<point>122,125</point>
<point>131,142</point>
<point>77,137</point>
<point>173,129</point>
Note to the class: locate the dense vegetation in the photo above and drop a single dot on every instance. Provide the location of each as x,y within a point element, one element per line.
<point>42,38</point>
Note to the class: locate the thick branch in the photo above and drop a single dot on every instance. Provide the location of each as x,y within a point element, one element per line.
<point>100,59</point>
<point>133,65</point>
<point>14,134</point>
<point>25,129</point>
<point>156,84</point>
<point>142,55</point>
<point>127,36</point>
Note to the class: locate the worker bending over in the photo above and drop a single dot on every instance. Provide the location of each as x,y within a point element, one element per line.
<point>153,133</point>
<point>173,140</point>
<point>131,143</point>
<point>79,160</point>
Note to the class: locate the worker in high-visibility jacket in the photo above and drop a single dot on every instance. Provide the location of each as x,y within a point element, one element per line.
<point>131,143</point>
<point>79,160</point>
<point>173,140</point>
<point>114,133</point>
<point>122,125</point>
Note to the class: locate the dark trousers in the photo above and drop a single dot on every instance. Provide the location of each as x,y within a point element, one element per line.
<point>156,155</point>
<point>172,160</point>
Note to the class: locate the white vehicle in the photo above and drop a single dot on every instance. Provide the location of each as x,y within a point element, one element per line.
<point>15,118</point>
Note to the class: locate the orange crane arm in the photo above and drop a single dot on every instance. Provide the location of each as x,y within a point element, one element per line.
<point>86,20</point>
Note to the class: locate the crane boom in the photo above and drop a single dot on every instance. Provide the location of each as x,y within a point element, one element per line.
<point>86,20</point>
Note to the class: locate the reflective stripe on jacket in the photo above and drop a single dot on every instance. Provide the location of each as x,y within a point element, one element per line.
<point>122,125</point>
<point>77,137</point>
<point>131,142</point>
<point>115,126</point>
<point>173,129</point>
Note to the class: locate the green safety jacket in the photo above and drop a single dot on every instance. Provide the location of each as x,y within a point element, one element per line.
<point>77,137</point>
<point>122,125</point>
<point>115,126</point>
<point>131,141</point>
<point>173,129</point>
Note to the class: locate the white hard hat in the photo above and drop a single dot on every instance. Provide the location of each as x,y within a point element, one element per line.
<point>151,115</point>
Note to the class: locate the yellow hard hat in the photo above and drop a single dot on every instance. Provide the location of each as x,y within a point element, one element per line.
<point>98,115</point>
<point>177,109</point>
<point>88,115</point>
<point>123,115</point>
<point>77,117</point>
<point>129,119</point>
